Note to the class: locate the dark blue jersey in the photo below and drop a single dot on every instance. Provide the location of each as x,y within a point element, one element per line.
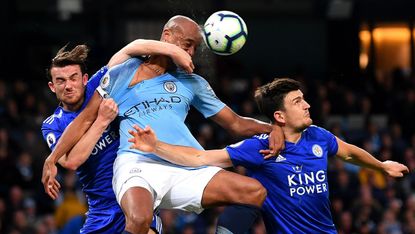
<point>104,215</point>
<point>296,180</point>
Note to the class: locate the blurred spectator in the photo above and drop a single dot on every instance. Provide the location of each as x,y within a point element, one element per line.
<point>72,205</point>
<point>389,224</point>
<point>365,208</point>
<point>346,223</point>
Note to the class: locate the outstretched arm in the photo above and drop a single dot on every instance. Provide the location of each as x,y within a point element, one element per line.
<point>353,154</point>
<point>145,140</point>
<point>107,112</point>
<point>69,138</point>
<point>151,47</point>
<point>244,126</point>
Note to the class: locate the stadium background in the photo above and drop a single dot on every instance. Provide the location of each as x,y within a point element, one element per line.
<point>355,57</point>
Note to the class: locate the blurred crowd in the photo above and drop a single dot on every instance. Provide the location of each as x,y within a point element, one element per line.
<point>374,113</point>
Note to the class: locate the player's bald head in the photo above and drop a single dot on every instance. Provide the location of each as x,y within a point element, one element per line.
<point>180,22</point>
<point>183,32</point>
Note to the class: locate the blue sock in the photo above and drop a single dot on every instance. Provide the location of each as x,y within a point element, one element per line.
<point>237,219</point>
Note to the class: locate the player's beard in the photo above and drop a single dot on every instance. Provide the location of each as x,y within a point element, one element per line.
<point>307,123</point>
<point>72,101</point>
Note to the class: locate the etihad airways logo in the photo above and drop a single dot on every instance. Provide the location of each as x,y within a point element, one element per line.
<point>153,105</point>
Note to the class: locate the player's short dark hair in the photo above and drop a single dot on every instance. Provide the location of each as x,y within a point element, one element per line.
<point>76,56</point>
<point>270,97</point>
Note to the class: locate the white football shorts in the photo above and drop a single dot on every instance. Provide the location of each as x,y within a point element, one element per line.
<point>172,187</point>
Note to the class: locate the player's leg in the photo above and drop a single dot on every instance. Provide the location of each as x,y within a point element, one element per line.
<point>137,205</point>
<point>133,193</point>
<point>246,196</point>
<point>156,226</point>
<point>212,186</point>
<point>231,188</point>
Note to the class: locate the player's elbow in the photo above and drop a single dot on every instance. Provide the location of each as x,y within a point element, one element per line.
<point>70,165</point>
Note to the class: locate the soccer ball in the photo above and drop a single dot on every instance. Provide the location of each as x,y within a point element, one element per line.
<point>225,32</point>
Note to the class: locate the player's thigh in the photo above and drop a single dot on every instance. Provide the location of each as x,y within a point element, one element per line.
<point>137,203</point>
<point>187,191</point>
<point>150,175</point>
<point>229,188</point>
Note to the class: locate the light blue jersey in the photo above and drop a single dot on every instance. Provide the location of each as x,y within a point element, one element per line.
<point>104,214</point>
<point>161,102</point>
<point>296,181</point>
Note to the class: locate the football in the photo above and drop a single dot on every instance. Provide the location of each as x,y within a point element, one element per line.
<point>225,32</point>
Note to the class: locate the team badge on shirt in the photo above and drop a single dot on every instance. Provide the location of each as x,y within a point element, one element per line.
<point>50,139</point>
<point>170,86</point>
<point>317,150</point>
<point>105,81</point>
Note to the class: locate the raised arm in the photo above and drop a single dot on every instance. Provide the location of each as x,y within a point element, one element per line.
<point>353,154</point>
<point>145,140</point>
<point>69,138</point>
<point>151,47</point>
<point>107,112</point>
<point>244,126</point>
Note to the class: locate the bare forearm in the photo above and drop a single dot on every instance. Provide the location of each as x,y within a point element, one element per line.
<point>188,156</point>
<point>180,155</point>
<point>238,125</point>
<point>141,47</point>
<point>362,158</point>
<point>76,129</point>
<point>248,126</point>
<point>83,149</point>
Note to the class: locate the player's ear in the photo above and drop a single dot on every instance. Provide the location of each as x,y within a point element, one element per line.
<point>85,78</point>
<point>166,35</point>
<point>51,86</point>
<point>279,117</point>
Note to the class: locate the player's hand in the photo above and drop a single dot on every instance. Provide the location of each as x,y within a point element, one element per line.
<point>108,111</point>
<point>276,142</point>
<point>50,184</point>
<point>143,139</point>
<point>394,169</point>
<point>182,59</point>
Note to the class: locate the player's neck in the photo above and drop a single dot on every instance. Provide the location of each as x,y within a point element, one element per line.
<point>155,66</point>
<point>72,107</point>
<point>292,135</point>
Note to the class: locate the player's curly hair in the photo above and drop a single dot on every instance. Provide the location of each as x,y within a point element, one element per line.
<point>77,55</point>
<point>270,97</point>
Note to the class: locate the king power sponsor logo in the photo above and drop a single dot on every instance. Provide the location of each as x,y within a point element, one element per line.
<point>313,182</point>
<point>107,139</point>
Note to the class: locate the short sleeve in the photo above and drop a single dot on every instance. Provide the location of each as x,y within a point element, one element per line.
<point>119,77</point>
<point>206,101</point>
<point>332,146</point>
<point>246,153</point>
<point>95,79</point>
<point>51,134</point>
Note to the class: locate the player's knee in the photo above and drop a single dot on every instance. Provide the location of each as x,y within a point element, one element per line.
<point>256,193</point>
<point>137,223</point>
